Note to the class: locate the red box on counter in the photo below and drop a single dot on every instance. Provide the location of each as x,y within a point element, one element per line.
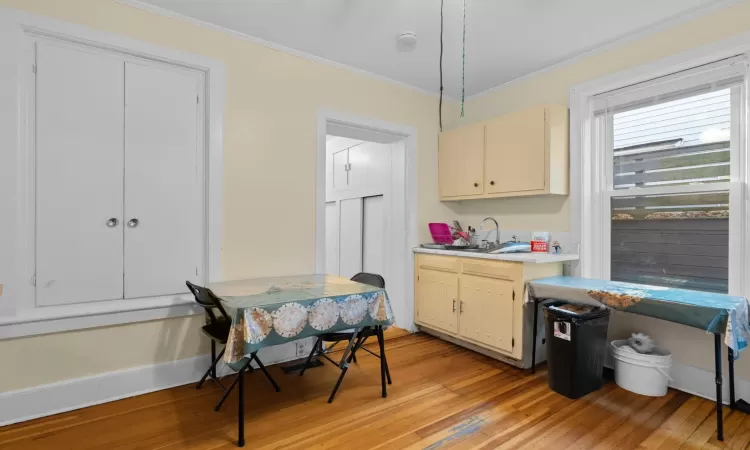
<point>540,242</point>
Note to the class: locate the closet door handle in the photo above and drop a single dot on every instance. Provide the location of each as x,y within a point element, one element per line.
<point>461,307</point>
<point>454,305</point>
<point>111,223</point>
<point>132,223</point>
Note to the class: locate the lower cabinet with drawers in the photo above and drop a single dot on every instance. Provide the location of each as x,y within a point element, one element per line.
<point>477,303</point>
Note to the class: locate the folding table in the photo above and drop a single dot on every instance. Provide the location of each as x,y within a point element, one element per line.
<point>715,313</point>
<point>273,311</point>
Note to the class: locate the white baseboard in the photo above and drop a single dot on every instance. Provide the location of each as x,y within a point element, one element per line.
<point>48,399</point>
<point>54,398</point>
<point>701,382</point>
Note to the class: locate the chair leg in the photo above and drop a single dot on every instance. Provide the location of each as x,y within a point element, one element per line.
<point>338,383</point>
<point>211,370</point>
<point>265,372</point>
<point>213,358</point>
<point>317,344</point>
<point>382,361</point>
<point>231,386</point>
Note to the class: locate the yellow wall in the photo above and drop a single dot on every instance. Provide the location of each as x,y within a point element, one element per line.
<point>552,86</point>
<point>689,346</point>
<point>270,148</point>
<point>269,188</point>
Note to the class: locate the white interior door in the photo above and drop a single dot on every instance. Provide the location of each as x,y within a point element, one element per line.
<point>163,248</point>
<point>373,235</point>
<point>79,175</point>
<point>350,237</point>
<point>332,238</point>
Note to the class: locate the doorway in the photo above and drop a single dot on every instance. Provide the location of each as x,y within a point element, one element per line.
<point>366,204</point>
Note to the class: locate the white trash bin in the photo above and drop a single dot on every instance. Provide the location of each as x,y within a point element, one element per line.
<point>645,374</point>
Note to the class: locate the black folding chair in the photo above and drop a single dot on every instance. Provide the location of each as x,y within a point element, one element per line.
<point>217,329</point>
<point>366,332</point>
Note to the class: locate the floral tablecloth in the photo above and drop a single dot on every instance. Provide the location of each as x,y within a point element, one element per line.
<point>272,311</point>
<point>710,311</point>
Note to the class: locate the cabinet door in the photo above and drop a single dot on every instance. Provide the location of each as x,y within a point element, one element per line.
<point>340,169</point>
<point>162,181</point>
<point>486,311</point>
<point>515,155</point>
<point>79,163</point>
<point>437,300</point>
<point>461,161</point>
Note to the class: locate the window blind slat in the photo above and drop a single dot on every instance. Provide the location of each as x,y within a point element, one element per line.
<point>704,79</point>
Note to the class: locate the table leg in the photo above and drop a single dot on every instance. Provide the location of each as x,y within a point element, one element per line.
<point>730,357</point>
<point>382,360</point>
<point>719,417</point>
<point>241,409</point>
<point>533,338</point>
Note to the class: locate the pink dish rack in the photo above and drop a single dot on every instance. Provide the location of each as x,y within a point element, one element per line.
<point>441,233</point>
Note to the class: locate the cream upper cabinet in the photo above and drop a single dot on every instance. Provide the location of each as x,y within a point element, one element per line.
<point>524,153</point>
<point>461,162</point>
<point>515,154</point>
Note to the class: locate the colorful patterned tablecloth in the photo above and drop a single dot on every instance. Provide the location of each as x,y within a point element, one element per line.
<point>272,311</point>
<point>713,312</point>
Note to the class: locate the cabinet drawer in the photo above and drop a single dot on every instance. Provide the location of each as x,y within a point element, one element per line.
<point>446,263</point>
<point>495,269</point>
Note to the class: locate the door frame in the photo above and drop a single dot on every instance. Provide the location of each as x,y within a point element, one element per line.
<point>401,262</point>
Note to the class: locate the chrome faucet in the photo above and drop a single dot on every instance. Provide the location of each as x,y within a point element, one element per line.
<point>497,230</point>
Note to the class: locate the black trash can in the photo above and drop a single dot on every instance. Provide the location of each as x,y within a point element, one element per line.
<point>576,347</point>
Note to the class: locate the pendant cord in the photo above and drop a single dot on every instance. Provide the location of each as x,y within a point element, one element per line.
<point>463,65</point>
<point>440,105</point>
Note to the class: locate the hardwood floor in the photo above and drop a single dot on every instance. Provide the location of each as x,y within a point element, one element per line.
<point>443,397</point>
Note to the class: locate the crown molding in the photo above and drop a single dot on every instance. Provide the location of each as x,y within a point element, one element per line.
<point>610,45</point>
<point>255,40</point>
<point>613,44</point>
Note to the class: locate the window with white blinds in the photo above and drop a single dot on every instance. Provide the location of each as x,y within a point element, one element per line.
<point>669,150</point>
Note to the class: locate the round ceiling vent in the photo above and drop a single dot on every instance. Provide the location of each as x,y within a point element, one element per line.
<point>406,42</point>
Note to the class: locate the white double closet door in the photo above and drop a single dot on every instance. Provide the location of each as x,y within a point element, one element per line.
<point>118,201</point>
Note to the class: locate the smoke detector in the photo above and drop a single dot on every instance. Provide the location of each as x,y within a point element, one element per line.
<point>406,42</point>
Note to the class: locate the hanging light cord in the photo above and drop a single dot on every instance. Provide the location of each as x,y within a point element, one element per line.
<point>440,105</point>
<point>463,65</point>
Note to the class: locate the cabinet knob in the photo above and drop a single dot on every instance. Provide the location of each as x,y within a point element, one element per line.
<point>476,184</point>
<point>492,183</point>
<point>132,223</point>
<point>111,223</point>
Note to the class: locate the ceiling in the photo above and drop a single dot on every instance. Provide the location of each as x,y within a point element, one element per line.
<point>505,39</point>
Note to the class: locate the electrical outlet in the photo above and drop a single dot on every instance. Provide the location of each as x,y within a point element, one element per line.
<point>301,348</point>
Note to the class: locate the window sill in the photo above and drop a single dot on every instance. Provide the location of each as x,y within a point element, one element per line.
<point>55,319</point>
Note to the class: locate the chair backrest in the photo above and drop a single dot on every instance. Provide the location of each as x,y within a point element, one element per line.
<point>208,301</point>
<point>369,278</point>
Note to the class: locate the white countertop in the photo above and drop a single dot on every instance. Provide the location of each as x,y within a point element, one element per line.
<point>536,258</point>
